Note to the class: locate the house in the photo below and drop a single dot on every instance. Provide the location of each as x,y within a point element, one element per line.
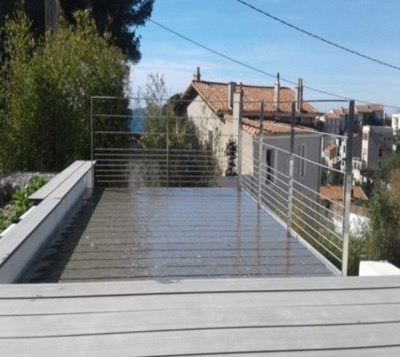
<point>395,123</point>
<point>355,152</point>
<point>377,146</point>
<point>331,155</point>
<point>373,111</point>
<point>335,193</point>
<point>217,108</point>
<point>335,119</point>
<point>274,160</point>
<point>333,123</point>
<point>214,108</point>
<point>332,198</point>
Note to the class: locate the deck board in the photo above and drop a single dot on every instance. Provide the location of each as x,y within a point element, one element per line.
<point>319,316</point>
<point>203,317</point>
<point>177,303</point>
<point>167,286</point>
<point>173,233</point>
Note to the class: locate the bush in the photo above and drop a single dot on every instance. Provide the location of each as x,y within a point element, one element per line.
<point>20,203</point>
<point>45,96</point>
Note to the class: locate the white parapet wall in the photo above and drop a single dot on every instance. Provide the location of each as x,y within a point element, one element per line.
<point>54,202</point>
<point>371,268</point>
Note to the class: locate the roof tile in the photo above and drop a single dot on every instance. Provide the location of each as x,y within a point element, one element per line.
<point>272,128</point>
<point>216,95</point>
<point>335,193</point>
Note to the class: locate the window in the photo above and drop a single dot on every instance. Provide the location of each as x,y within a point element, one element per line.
<point>302,163</point>
<point>269,160</point>
<point>380,151</point>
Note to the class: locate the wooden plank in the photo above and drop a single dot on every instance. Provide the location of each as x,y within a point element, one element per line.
<point>192,342</point>
<point>112,303</point>
<point>47,189</point>
<point>153,319</point>
<point>61,191</point>
<point>9,291</point>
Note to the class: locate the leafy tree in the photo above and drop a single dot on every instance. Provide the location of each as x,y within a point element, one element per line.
<point>175,155</point>
<point>231,152</point>
<point>319,125</point>
<point>119,19</point>
<point>46,90</point>
<point>383,237</point>
<point>371,119</point>
<point>393,162</point>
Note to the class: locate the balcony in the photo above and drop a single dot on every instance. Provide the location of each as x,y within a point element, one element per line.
<point>166,260</point>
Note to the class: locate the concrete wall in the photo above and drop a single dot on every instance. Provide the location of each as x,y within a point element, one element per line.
<point>54,202</point>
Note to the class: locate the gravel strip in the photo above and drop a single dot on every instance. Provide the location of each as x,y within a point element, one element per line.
<point>21,179</point>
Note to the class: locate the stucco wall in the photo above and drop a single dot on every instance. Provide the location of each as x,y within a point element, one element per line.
<point>212,127</point>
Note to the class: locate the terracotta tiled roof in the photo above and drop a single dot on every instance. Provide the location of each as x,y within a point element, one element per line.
<point>369,108</point>
<point>363,109</point>
<point>271,127</point>
<point>376,107</point>
<point>341,111</point>
<point>335,193</point>
<point>330,147</point>
<point>216,95</point>
<point>332,116</point>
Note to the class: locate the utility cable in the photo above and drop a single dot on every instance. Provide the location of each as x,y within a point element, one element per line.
<point>257,69</point>
<point>319,37</point>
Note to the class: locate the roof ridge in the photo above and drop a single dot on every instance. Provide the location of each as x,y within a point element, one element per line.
<point>239,84</point>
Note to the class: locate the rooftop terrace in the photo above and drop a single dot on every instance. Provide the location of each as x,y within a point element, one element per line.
<point>173,233</point>
<point>212,270</point>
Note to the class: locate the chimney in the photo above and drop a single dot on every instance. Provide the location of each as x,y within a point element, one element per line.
<point>299,95</point>
<point>197,75</point>
<point>277,93</point>
<point>231,91</point>
<point>237,105</point>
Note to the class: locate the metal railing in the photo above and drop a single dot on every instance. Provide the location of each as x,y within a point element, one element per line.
<point>159,149</point>
<point>283,172</point>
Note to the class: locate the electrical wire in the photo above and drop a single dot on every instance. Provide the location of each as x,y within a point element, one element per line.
<point>231,59</point>
<point>319,37</point>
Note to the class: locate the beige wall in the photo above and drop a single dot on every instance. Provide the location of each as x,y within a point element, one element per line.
<point>372,138</point>
<point>210,126</point>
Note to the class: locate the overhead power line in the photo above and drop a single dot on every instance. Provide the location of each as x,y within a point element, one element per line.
<point>257,69</point>
<point>319,37</point>
<point>239,62</point>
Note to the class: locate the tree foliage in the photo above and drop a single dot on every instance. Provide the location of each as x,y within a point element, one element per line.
<point>180,158</point>
<point>119,19</point>
<point>372,119</point>
<point>383,236</point>
<point>46,90</point>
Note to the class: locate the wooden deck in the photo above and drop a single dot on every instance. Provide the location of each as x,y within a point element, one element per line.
<point>326,316</point>
<point>174,233</point>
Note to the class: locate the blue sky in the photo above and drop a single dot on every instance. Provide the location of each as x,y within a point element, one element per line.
<point>371,27</point>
